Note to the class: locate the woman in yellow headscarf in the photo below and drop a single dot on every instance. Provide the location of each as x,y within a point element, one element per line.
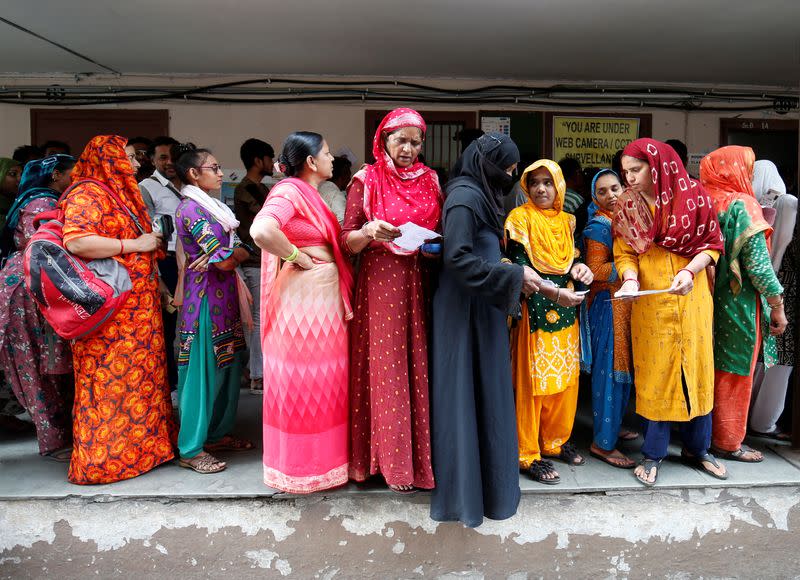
<point>545,344</point>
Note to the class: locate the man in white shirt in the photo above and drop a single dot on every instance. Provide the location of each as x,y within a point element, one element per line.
<point>248,199</point>
<point>161,194</point>
<point>163,187</point>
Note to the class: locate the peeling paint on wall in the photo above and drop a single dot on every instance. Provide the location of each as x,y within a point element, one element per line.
<point>600,535</point>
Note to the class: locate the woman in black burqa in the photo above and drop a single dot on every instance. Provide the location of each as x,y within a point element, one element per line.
<point>475,455</point>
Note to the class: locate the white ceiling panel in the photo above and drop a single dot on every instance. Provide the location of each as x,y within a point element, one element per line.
<point>684,41</point>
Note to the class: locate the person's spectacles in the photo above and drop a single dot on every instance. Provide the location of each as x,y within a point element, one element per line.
<point>216,168</point>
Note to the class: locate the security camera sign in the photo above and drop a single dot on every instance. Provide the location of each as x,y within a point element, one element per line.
<point>592,140</point>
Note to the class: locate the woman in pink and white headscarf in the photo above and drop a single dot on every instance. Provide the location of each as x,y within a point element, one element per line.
<point>389,410</point>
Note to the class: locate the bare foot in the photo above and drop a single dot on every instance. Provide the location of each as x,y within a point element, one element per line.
<point>614,457</point>
<point>402,488</point>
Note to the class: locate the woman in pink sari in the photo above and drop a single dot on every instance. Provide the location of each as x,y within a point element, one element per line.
<point>305,309</point>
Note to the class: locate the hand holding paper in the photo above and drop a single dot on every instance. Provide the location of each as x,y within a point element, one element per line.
<point>619,295</point>
<point>413,236</point>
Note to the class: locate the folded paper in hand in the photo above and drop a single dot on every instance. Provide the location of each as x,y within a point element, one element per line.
<point>413,236</point>
<point>636,294</point>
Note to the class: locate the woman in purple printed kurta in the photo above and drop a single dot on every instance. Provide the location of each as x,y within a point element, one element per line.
<point>210,328</point>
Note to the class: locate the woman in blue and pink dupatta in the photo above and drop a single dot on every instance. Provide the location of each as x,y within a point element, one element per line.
<point>305,313</point>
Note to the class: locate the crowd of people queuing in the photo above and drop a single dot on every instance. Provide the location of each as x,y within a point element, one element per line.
<point>451,367</point>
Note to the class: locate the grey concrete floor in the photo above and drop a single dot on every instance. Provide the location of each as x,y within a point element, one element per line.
<point>24,474</point>
<point>599,523</point>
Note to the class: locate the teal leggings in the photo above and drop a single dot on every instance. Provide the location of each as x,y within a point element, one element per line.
<point>208,397</point>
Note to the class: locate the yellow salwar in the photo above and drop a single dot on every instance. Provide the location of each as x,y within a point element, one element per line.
<point>545,372</point>
<point>670,334</point>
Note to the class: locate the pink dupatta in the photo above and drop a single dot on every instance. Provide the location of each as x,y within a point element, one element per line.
<point>310,206</point>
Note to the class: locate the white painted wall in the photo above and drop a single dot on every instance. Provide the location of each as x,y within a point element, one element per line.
<point>223,127</point>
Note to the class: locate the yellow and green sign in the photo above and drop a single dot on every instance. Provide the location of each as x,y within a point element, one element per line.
<point>592,140</point>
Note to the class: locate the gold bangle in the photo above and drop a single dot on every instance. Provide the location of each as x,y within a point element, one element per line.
<point>778,304</point>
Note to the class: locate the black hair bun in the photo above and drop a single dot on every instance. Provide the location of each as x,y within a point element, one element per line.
<point>182,148</point>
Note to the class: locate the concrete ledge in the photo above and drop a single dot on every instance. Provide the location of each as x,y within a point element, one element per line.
<point>26,475</point>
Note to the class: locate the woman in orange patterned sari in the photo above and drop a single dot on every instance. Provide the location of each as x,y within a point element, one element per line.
<point>123,423</point>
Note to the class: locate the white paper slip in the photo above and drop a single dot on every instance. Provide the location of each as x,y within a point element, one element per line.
<point>638,293</point>
<point>413,236</point>
<point>551,284</point>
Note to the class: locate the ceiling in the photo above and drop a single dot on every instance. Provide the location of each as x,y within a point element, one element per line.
<point>676,41</point>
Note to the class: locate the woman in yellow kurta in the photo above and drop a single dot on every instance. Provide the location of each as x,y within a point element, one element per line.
<point>545,345</point>
<point>666,234</point>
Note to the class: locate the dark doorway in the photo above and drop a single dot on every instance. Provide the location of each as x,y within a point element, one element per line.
<point>77,126</point>
<point>771,139</point>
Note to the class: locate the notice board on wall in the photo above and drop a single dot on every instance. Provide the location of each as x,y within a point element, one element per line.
<point>524,128</point>
<point>594,138</point>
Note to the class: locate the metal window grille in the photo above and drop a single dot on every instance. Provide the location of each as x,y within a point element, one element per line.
<point>441,149</point>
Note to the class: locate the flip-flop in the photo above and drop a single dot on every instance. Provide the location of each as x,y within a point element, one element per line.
<point>608,458</point>
<point>648,465</point>
<point>698,463</point>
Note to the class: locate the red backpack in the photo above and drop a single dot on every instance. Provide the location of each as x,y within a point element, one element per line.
<point>75,296</point>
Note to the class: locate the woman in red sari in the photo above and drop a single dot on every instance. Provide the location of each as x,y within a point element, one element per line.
<point>122,417</point>
<point>305,312</point>
<point>389,410</point>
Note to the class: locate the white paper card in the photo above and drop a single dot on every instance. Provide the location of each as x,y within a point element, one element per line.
<point>413,236</point>
<point>621,294</point>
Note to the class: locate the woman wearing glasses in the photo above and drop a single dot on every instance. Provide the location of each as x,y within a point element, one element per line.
<point>211,334</point>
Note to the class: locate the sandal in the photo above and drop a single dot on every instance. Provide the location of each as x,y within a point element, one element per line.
<point>648,465</point>
<point>699,463</point>
<point>739,454</point>
<point>229,443</point>
<point>620,461</point>
<point>776,435</point>
<point>203,463</point>
<point>257,387</point>
<point>628,435</point>
<point>541,469</point>
<point>63,455</point>
<point>569,455</point>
